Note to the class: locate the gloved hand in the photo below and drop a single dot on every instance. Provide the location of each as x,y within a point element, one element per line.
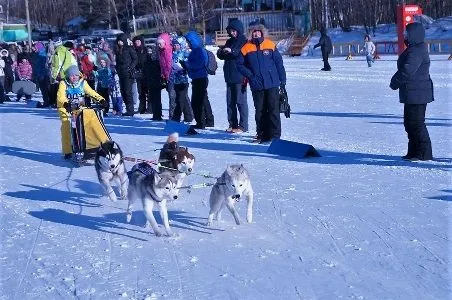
<point>95,68</point>
<point>282,88</point>
<point>164,83</point>
<point>393,85</point>
<point>183,64</point>
<point>67,106</point>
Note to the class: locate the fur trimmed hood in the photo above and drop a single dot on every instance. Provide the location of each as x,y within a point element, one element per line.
<point>258,27</point>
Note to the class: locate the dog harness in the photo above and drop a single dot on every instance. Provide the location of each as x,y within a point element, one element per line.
<point>143,167</point>
<point>147,170</point>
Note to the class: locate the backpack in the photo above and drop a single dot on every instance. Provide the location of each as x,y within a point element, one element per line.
<point>211,65</point>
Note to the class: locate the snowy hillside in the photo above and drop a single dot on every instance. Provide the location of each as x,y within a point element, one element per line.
<point>356,223</point>
<point>440,29</point>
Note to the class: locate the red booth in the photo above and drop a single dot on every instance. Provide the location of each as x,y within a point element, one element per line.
<point>405,16</point>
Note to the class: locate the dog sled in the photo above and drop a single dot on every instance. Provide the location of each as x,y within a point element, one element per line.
<point>88,131</point>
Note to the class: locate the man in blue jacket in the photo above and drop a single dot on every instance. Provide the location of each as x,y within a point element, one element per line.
<point>415,86</point>
<point>235,94</point>
<point>262,64</point>
<point>197,71</point>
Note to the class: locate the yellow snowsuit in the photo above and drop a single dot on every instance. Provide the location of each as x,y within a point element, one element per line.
<point>65,116</point>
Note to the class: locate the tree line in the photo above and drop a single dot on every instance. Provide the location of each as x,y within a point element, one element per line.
<point>174,14</point>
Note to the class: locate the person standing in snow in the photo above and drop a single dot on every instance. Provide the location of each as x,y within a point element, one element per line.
<point>126,61</point>
<point>196,68</point>
<point>369,50</point>
<point>152,75</point>
<point>166,65</point>
<point>415,86</point>
<point>180,81</point>
<point>41,72</point>
<point>62,60</point>
<point>138,44</point>
<point>24,72</point>
<point>235,94</point>
<point>264,82</point>
<point>326,47</point>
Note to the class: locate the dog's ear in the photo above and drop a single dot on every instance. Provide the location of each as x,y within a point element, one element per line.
<point>229,169</point>
<point>157,178</point>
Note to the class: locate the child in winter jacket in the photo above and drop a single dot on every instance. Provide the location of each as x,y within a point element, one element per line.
<point>116,98</point>
<point>369,50</point>
<point>24,72</point>
<point>104,79</point>
<point>179,79</point>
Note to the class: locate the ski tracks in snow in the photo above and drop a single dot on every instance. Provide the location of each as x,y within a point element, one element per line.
<point>30,253</point>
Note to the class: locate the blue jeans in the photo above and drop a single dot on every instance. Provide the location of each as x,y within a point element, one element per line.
<point>369,60</point>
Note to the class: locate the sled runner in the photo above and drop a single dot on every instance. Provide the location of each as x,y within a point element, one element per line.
<point>88,131</point>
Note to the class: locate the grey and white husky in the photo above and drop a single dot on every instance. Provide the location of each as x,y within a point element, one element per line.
<point>233,185</point>
<point>110,167</point>
<point>152,188</point>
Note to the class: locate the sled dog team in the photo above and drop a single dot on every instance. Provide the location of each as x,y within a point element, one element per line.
<point>153,187</point>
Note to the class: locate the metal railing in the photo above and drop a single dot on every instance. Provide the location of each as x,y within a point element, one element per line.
<point>385,47</point>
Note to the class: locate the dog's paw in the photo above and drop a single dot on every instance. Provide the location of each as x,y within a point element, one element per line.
<point>129,217</point>
<point>112,197</point>
<point>249,219</point>
<point>157,233</point>
<point>237,222</point>
<point>169,233</point>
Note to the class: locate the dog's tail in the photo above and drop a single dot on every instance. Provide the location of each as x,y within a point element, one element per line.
<point>173,137</point>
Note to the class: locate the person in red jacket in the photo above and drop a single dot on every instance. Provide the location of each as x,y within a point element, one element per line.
<point>88,67</point>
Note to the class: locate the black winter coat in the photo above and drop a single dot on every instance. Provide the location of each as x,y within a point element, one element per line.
<point>126,58</point>
<point>141,53</point>
<point>324,42</point>
<point>413,76</point>
<point>231,73</point>
<point>152,72</point>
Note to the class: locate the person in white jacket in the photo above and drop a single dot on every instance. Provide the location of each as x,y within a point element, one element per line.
<point>369,50</point>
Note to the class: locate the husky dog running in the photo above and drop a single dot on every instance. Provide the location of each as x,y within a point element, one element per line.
<point>151,188</point>
<point>109,165</point>
<point>233,185</point>
<point>176,159</point>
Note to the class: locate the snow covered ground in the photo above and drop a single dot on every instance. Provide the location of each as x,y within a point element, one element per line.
<point>356,223</point>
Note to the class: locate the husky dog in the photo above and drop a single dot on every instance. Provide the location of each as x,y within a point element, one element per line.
<point>109,165</point>
<point>151,188</point>
<point>175,158</point>
<point>233,185</point>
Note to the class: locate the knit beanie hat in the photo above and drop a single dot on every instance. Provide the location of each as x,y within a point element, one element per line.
<point>58,42</point>
<point>71,71</point>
